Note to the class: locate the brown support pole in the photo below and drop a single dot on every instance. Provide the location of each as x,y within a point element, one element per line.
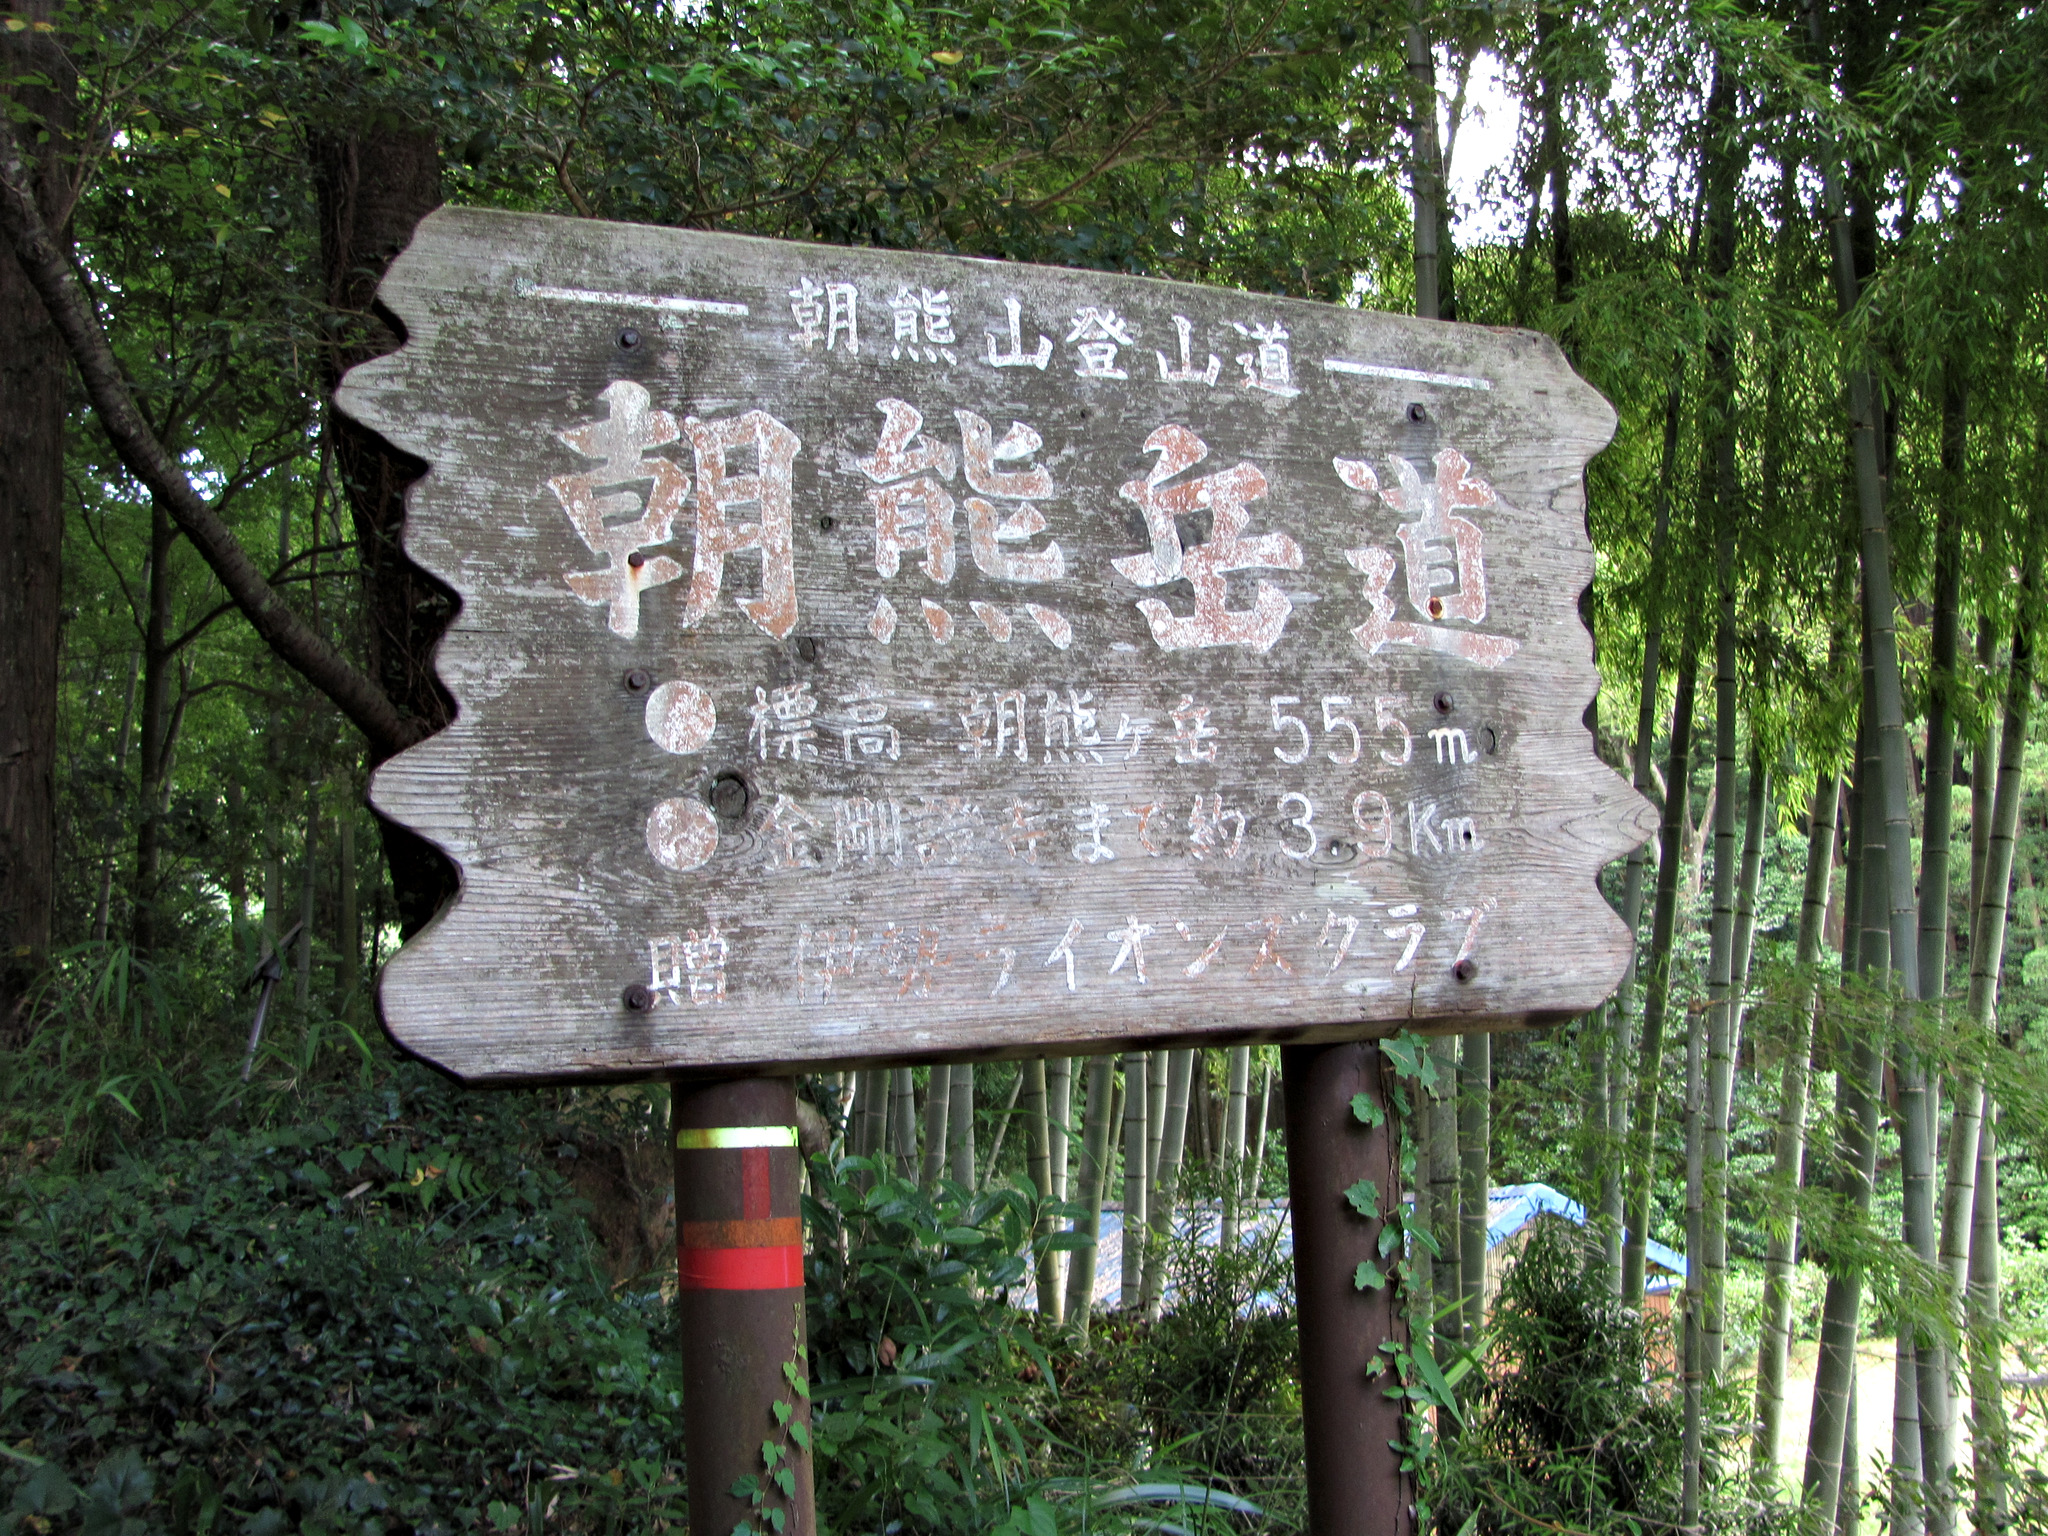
<point>1355,1483</point>
<point>740,1303</point>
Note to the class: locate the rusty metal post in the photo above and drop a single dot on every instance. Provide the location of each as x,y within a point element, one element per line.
<point>1355,1483</point>
<point>740,1304</point>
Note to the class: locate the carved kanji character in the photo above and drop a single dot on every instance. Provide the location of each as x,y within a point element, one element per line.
<point>622,441</point>
<point>1442,549</point>
<point>1225,495</point>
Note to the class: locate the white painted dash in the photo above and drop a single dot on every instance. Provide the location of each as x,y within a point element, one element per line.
<point>1406,375</point>
<point>665,302</point>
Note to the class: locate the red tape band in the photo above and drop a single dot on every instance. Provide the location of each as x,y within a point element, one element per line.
<point>780,1268</point>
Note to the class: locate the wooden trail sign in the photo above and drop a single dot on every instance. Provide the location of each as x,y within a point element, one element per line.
<point>876,655</point>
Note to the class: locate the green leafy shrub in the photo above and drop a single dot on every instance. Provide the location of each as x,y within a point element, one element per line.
<point>391,1317</point>
<point>1573,1425</point>
<point>928,1388</point>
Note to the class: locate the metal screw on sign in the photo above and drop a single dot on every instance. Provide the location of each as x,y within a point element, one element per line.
<point>637,997</point>
<point>807,649</point>
<point>1417,413</point>
<point>638,679</point>
<point>628,339</point>
<point>1465,969</point>
<point>1444,703</point>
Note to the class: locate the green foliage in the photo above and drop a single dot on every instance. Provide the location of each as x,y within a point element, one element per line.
<point>1574,1425</point>
<point>928,1389</point>
<point>1209,1391</point>
<point>389,1312</point>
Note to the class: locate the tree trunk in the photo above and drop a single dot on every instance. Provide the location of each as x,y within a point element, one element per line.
<point>146,925</point>
<point>103,907</point>
<point>373,186</point>
<point>308,872</point>
<point>348,938</point>
<point>1642,1166</point>
<point>33,378</point>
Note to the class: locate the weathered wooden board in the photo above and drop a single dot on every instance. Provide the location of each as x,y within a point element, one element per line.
<point>869,655</point>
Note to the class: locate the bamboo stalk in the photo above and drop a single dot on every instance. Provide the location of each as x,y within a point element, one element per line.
<point>995,1146</point>
<point>1038,1126</point>
<point>1444,1200</point>
<point>1930,1378</point>
<point>1707,1124</point>
<point>1990,1435</point>
<point>903,1120</point>
<point>1059,1109</point>
<point>1475,1159</point>
<point>938,1100</point>
<point>1859,1075</point>
<point>1774,1332</point>
<point>1137,1069</point>
<point>1093,1179</point>
<point>1693,1368</point>
<point>1622,1044</point>
<point>1642,1167</point>
<point>1155,1117</point>
<point>1173,1144</point>
<point>960,1125</point>
<point>1258,1135</point>
<point>1237,1085</point>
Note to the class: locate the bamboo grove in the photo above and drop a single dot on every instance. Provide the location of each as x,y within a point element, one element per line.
<point>1801,249</point>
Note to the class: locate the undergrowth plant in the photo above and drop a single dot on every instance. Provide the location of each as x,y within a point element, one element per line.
<point>387,1316</point>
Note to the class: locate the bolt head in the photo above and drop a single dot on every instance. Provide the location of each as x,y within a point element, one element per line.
<point>1417,413</point>
<point>636,559</point>
<point>629,338</point>
<point>1444,703</point>
<point>1466,969</point>
<point>638,680</point>
<point>637,998</point>
<point>807,649</point>
<point>826,523</point>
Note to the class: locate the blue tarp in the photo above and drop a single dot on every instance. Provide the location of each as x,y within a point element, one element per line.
<point>1509,1208</point>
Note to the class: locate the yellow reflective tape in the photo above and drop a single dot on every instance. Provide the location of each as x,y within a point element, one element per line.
<point>720,1137</point>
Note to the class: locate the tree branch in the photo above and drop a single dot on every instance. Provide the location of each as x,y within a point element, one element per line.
<point>295,641</point>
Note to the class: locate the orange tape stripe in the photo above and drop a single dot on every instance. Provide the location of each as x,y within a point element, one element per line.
<point>759,1232</point>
